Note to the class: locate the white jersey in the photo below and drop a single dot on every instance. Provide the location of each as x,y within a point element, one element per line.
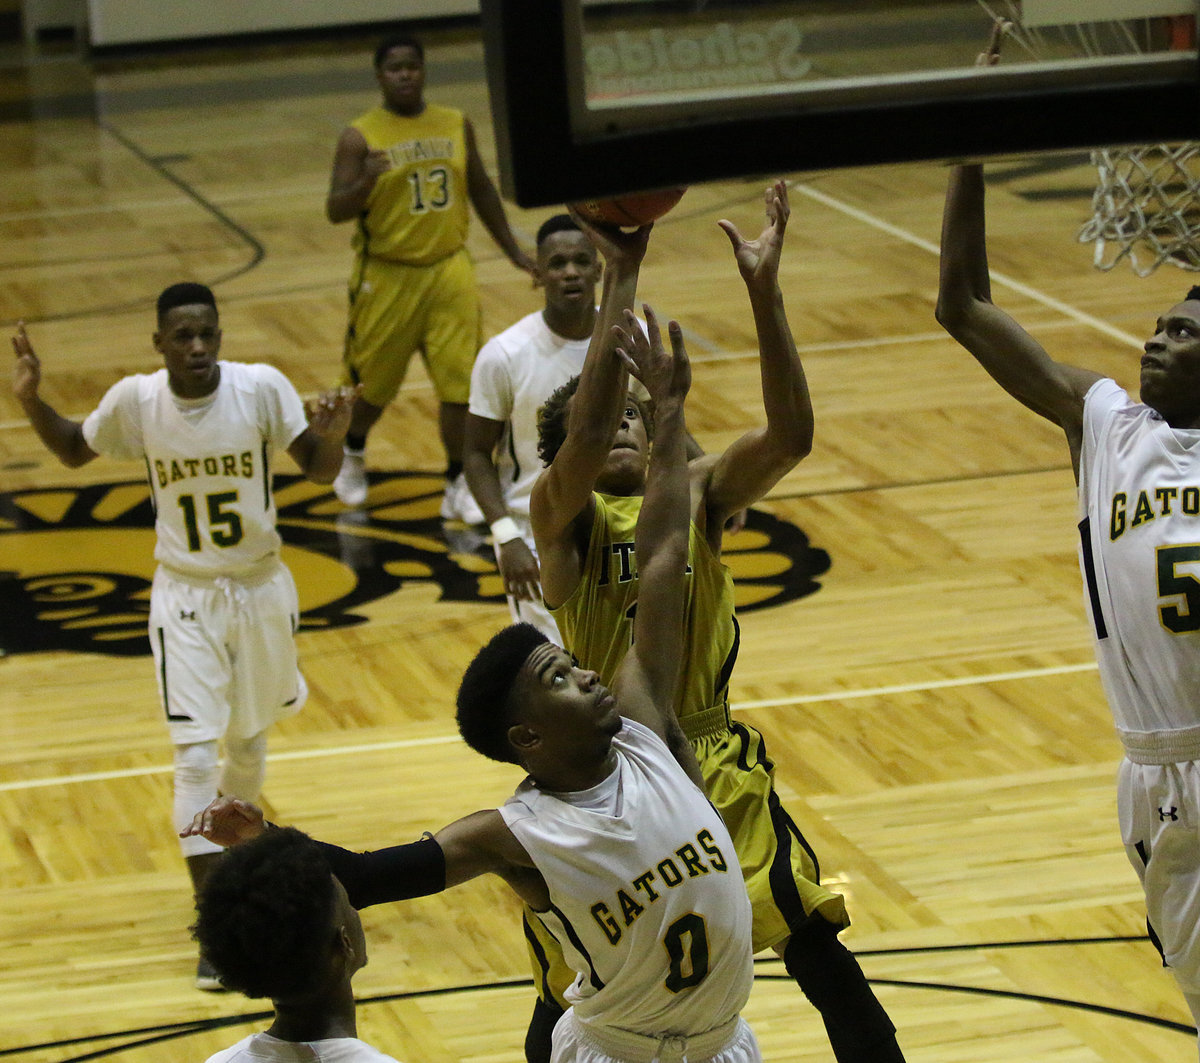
<point>514,374</point>
<point>208,461</point>
<point>263,1048</point>
<point>1139,504</point>
<point>647,898</point>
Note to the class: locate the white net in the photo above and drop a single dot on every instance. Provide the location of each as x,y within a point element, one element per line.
<point>1146,207</point>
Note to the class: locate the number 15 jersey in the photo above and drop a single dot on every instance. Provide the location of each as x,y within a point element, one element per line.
<point>1139,505</point>
<point>208,461</point>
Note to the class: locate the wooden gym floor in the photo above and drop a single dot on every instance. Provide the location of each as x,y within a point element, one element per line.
<point>921,666</point>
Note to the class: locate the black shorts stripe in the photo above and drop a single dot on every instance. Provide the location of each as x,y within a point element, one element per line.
<point>571,933</point>
<point>539,955</point>
<point>1089,576</point>
<point>780,875</point>
<point>162,674</point>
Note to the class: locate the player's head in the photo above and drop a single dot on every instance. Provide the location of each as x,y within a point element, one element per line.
<point>398,40</point>
<point>568,270</point>
<point>554,414</point>
<point>189,339</point>
<point>274,922</point>
<point>556,223</point>
<point>486,709</point>
<point>186,293</point>
<point>523,700</point>
<point>400,72</point>
<point>1170,369</point>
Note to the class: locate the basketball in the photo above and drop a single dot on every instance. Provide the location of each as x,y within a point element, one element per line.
<point>630,211</point>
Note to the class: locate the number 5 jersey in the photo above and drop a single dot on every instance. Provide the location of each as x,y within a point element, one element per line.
<point>1139,503</point>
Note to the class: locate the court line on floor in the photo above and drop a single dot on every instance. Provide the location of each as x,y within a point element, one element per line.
<point>999,278</point>
<point>449,739</point>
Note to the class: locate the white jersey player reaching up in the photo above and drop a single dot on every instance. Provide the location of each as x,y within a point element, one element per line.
<point>1137,465</point>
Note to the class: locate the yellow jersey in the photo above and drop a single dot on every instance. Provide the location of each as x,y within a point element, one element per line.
<point>596,621</point>
<point>418,211</point>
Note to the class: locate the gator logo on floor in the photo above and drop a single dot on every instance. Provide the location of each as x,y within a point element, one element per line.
<point>76,563</point>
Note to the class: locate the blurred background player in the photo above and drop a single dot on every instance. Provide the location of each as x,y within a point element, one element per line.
<point>514,374</point>
<point>223,606</point>
<point>404,173</point>
<point>275,923</point>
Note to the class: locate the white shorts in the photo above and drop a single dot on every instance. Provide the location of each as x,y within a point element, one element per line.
<point>224,653</point>
<point>578,1042</point>
<point>1159,810</point>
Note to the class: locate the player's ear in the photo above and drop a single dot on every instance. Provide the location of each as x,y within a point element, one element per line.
<point>523,738</point>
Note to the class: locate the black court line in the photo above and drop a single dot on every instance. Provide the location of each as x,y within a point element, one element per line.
<point>147,1035</point>
<point>256,249</point>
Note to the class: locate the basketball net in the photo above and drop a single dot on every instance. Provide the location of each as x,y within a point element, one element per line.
<point>1146,207</point>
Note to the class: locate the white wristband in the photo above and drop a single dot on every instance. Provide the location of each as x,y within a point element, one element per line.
<point>504,530</point>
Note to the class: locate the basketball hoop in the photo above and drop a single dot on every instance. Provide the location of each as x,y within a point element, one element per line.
<point>1146,207</point>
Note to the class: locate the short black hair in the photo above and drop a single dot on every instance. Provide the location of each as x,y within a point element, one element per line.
<point>397,40</point>
<point>1193,294</point>
<point>556,223</point>
<point>265,916</point>
<point>185,293</point>
<point>485,708</point>
<point>552,419</point>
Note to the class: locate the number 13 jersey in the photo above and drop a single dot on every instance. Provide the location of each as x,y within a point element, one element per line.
<point>417,212</point>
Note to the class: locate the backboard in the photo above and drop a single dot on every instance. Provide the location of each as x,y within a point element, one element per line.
<point>592,99</point>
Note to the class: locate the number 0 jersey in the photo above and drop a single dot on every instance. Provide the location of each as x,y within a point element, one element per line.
<point>208,461</point>
<point>647,898</point>
<point>418,212</point>
<point>1139,505</point>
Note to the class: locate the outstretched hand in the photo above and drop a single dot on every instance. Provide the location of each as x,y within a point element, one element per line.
<point>227,821</point>
<point>329,414</point>
<point>758,260</point>
<point>665,375</point>
<point>990,56</point>
<point>27,370</point>
<point>613,242</point>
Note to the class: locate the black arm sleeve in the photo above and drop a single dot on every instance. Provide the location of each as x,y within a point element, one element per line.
<point>394,874</point>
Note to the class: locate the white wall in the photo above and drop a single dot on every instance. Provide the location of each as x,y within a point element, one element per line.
<point>130,21</point>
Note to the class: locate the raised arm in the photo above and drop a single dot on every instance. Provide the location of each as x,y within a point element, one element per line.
<point>318,449</point>
<point>475,845</point>
<point>62,436</point>
<point>356,168</point>
<point>1013,358</point>
<point>563,492</point>
<point>755,462</point>
<point>488,205</point>
<point>645,683</point>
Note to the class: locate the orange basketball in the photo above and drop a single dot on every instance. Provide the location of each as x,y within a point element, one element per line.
<point>630,211</point>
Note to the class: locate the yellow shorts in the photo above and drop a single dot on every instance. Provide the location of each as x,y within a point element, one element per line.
<point>780,868</point>
<point>397,310</point>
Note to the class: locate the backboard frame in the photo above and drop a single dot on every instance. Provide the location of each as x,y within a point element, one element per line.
<point>545,158</point>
